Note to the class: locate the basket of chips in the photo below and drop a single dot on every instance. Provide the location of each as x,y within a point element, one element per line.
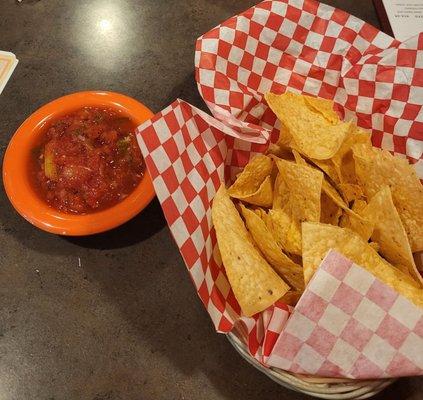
<point>297,206</point>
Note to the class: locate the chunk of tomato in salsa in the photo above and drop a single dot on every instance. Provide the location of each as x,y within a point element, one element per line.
<point>88,161</point>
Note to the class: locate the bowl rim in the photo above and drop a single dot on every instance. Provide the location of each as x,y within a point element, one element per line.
<point>17,183</point>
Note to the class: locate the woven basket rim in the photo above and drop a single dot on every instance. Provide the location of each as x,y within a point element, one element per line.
<point>328,389</point>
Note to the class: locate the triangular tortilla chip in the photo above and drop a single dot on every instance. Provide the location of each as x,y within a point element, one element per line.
<point>377,168</point>
<point>324,107</point>
<point>389,232</point>
<point>327,188</point>
<point>285,230</point>
<point>312,134</point>
<point>280,193</point>
<point>328,168</point>
<point>252,176</point>
<point>263,197</point>
<point>281,263</point>
<point>301,187</point>
<point>343,160</point>
<point>255,284</point>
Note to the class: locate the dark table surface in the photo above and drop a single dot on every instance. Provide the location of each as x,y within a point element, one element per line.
<point>127,323</point>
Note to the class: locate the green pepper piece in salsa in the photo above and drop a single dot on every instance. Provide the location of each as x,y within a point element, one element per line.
<point>50,169</point>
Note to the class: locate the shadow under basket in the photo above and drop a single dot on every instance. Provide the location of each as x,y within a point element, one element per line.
<point>323,388</point>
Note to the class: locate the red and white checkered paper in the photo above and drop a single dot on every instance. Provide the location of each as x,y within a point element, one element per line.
<point>350,324</point>
<point>306,47</point>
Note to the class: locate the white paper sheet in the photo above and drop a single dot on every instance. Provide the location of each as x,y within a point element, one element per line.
<point>405,17</point>
<point>8,63</point>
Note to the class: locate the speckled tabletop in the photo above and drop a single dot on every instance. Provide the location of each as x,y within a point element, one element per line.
<point>126,324</point>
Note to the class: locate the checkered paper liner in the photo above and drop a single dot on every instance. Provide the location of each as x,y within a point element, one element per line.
<point>301,46</point>
<point>312,48</point>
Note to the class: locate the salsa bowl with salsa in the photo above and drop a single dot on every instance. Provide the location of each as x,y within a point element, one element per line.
<point>74,166</point>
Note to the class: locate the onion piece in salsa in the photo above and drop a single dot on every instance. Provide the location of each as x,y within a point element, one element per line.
<point>88,160</point>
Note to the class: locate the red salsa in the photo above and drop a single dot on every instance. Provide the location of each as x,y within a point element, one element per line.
<point>88,160</point>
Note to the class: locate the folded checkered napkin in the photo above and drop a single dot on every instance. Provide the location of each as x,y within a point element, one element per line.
<point>350,324</point>
<point>306,47</point>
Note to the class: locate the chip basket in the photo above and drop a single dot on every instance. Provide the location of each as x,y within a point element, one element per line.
<point>323,388</point>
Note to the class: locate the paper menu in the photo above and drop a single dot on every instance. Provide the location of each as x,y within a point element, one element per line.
<point>405,17</point>
<point>8,63</point>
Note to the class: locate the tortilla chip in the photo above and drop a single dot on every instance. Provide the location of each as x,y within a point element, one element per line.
<point>324,165</point>
<point>418,260</point>
<point>363,136</point>
<point>343,160</point>
<point>377,168</point>
<point>327,188</point>
<point>350,191</point>
<point>364,225</point>
<point>285,230</point>
<point>255,284</point>
<point>311,133</point>
<point>389,232</point>
<point>328,168</point>
<point>332,193</point>
<point>280,195</point>
<point>345,168</point>
<point>260,212</point>
<point>292,297</point>
<point>281,263</point>
<point>343,220</point>
<point>285,138</point>
<point>359,206</point>
<point>356,136</point>
<point>263,197</point>
<point>252,176</point>
<point>375,246</point>
<point>280,151</point>
<point>324,107</point>
<point>301,187</point>
<point>330,212</point>
<point>298,158</point>
<point>318,239</point>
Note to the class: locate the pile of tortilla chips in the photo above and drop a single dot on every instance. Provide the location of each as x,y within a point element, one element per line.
<point>322,186</point>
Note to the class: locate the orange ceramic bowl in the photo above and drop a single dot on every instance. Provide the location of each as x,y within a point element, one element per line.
<point>17,180</point>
